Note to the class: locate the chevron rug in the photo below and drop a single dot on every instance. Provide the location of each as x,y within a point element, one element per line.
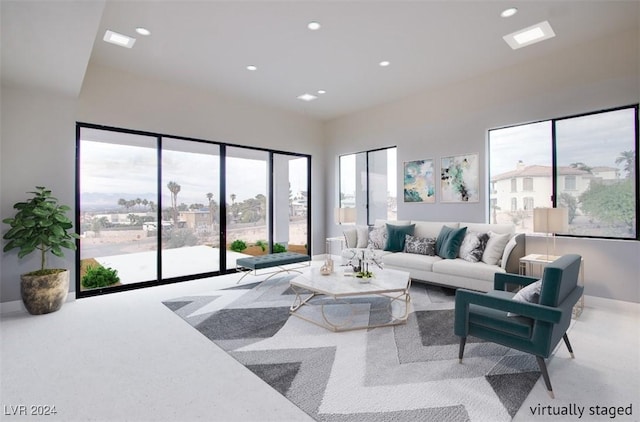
<point>404,373</point>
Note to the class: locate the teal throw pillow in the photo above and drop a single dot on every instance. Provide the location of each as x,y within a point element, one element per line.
<point>449,241</point>
<point>396,236</point>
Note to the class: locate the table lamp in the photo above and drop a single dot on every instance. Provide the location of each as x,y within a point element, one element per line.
<point>550,220</point>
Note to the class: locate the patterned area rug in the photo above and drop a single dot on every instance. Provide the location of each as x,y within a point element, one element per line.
<point>407,372</point>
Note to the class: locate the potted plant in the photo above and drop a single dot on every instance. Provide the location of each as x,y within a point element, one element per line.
<point>41,224</point>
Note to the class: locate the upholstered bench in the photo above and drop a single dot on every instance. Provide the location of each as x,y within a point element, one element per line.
<point>252,264</point>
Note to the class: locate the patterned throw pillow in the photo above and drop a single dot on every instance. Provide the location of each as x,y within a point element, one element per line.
<point>473,246</point>
<point>378,237</point>
<point>529,293</point>
<point>420,245</point>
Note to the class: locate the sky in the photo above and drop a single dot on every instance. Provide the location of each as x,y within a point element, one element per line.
<point>106,168</point>
<point>595,140</point>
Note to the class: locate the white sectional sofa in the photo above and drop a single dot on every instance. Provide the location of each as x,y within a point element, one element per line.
<point>503,251</point>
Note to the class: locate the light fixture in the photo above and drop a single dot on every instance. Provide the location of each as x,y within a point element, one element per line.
<point>314,26</point>
<point>384,63</point>
<point>322,91</point>
<point>307,97</point>
<point>507,13</point>
<point>550,220</point>
<point>119,39</point>
<point>143,31</point>
<point>531,35</point>
<point>252,67</point>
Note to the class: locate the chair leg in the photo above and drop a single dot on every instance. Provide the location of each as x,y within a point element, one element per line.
<point>566,341</point>
<point>545,375</point>
<point>463,341</point>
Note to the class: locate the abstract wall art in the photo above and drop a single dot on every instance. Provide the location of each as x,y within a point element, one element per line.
<point>419,181</point>
<point>459,178</point>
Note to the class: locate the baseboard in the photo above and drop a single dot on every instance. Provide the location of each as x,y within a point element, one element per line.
<point>16,306</point>
<point>611,304</point>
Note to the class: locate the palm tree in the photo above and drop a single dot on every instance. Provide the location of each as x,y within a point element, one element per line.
<point>210,197</point>
<point>174,188</point>
<point>581,166</point>
<point>629,160</point>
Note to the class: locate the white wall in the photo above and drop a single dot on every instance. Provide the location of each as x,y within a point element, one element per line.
<point>37,149</point>
<point>454,120</point>
<point>38,139</point>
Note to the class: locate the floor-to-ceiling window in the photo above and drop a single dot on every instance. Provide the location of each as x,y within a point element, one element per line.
<point>368,184</point>
<point>153,208</point>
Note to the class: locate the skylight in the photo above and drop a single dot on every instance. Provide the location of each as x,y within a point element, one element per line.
<point>119,39</point>
<point>531,35</point>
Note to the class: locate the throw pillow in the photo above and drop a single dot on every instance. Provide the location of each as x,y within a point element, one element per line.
<point>449,241</point>
<point>350,237</point>
<point>378,237</point>
<point>363,236</point>
<point>420,245</point>
<point>507,251</point>
<point>529,294</point>
<point>495,247</point>
<point>473,246</point>
<point>396,236</point>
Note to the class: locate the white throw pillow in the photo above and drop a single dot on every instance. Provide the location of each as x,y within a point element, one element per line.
<point>351,237</point>
<point>495,247</point>
<point>507,251</point>
<point>529,293</point>
<point>363,236</point>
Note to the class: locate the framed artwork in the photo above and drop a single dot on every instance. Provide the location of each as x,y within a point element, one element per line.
<point>419,181</point>
<point>460,178</point>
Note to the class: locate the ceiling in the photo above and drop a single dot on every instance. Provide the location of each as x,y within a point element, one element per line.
<point>208,44</point>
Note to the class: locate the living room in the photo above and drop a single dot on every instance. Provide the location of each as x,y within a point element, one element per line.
<point>39,122</point>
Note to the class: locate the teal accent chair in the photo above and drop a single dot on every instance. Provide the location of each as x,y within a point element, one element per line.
<point>538,327</point>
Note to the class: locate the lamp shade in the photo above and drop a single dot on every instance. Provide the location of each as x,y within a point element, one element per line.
<point>550,220</point>
<point>345,215</point>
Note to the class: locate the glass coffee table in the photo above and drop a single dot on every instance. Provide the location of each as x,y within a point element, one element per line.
<point>342,288</point>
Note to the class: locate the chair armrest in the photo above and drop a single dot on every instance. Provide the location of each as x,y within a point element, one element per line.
<point>464,298</point>
<point>500,280</point>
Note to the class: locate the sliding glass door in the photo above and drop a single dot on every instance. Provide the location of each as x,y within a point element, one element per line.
<point>118,206</point>
<point>247,198</point>
<point>190,217</point>
<point>154,209</point>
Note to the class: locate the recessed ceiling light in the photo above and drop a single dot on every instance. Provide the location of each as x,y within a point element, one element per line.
<point>307,97</point>
<point>384,63</point>
<point>119,39</point>
<point>322,91</point>
<point>531,35</point>
<point>314,26</point>
<point>143,31</point>
<point>507,13</point>
<point>252,67</point>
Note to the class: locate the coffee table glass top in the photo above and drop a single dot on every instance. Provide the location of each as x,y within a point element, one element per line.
<point>344,283</point>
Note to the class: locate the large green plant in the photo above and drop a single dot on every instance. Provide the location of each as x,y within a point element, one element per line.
<point>40,224</point>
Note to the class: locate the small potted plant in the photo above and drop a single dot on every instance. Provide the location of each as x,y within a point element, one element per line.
<point>41,224</point>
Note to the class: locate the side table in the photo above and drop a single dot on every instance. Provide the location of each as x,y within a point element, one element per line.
<point>533,265</point>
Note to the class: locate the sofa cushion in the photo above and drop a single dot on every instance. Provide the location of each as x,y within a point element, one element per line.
<point>495,247</point>
<point>431,229</point>
<point>396,236</point>
<point>410,261</point>
<point>420,245</point>
<point>449,241</point>
<point>461,268</point>
<point>350,237</point>
<point>473,246</point>
<point>363,236</point>
<point>378,237</point>
<point>486,227</point>
<point>512,243</point>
